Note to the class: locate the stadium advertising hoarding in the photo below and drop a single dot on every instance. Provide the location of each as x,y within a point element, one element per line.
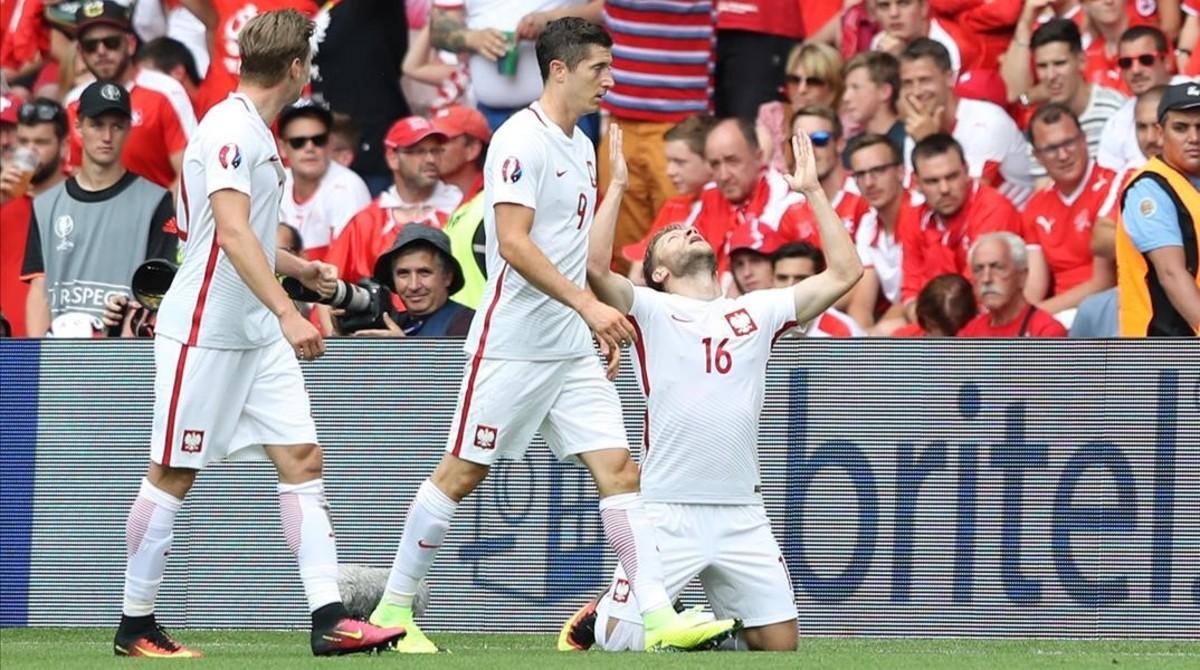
<point>917,488</point>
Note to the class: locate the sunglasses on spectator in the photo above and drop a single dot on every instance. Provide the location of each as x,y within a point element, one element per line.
<point>797,80</point>
<point>875,172</point>
<point>299,143</point>
<point>1052,149</point>
<point>112,43</point>
<point>38,112</point>
<point>821,138</point>
<point>1126,62</point>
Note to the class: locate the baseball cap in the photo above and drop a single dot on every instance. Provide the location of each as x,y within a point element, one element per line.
<point>102,12</point>
<point>458,120</point>
<point>755,237</point>
<point>103,96</point>
<point>419,232</point>
<point>9,106</point>
<point>305,108</point>
<point>1179,97</point>
<point>410,130</point>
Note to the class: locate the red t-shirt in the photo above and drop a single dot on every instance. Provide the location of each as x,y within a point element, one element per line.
<point>225,59</point>
<point>1061,225</point>
<point>932,246</point>
<point>1040,324</point>
<point>161,124</point>
<point>799,225</point>
<point>14,230</point>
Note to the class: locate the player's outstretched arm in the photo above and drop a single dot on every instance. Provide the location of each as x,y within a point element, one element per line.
<point>315,275</point>
<point>513,224</point>
<point>231,210</point>
<point>610,287</point>
<point>843,267</point>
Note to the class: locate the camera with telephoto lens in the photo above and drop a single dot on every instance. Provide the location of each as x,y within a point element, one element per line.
<point>364,304</point>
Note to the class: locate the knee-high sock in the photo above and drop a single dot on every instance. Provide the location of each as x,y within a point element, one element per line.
<point>305,517</point>
<point>425,528</point>
<point>148,535</point>
<point>631,535</point>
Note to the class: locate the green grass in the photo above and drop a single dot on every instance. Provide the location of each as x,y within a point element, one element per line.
<point>91,648</point>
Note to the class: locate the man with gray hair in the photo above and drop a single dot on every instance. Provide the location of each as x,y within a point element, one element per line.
<point>1000,267</point>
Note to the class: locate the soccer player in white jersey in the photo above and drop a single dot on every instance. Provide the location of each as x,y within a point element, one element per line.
<point>533,366</point>
<point>227,383</point>
<point>702,361</point>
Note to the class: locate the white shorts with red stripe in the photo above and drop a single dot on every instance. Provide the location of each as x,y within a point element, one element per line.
<point>502,403</point>
<point>225,404</point>
<point>729,547</point>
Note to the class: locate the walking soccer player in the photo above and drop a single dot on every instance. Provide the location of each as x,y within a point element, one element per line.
<point>533,366</point>
<point>227,382</point>
<point>702,360</point>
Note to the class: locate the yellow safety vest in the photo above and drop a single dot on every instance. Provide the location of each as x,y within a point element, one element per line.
<point>461,229</point>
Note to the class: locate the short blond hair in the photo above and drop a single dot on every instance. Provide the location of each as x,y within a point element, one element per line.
<point>269,42</point>
<point>818,60</point>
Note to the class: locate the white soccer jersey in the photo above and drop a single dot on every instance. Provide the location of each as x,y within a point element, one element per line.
<point>532,163</point>
<point>702,365</point>
<point>880,251</point>
<point>208,304</point>
<point>340,195</point>
<point>994,148</point>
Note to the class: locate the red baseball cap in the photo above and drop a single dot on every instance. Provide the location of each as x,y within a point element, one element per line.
<point>753,236</point>
<point>9,106</point>
<point>458,120</point>
<point>410,130</point>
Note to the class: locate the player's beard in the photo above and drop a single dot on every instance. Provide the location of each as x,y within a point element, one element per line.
<point>46,171</point>
<point>697,261</point>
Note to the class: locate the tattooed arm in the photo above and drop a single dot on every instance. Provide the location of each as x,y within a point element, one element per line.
<point>448,31</point>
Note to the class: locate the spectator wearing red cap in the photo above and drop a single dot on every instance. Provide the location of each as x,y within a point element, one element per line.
<point>824,129</point>
<point>751,251</point>
<point>957,211</point>
<point>746,190</point>
<point>319,196</point>
<point>468,136</point>
<point>224,20</point>
<point>413,148</point>
<point>1000,269</point>
<point>996,152</point>
<point>1058,220</point>
<point>689,174</point>
<point>162,117</point>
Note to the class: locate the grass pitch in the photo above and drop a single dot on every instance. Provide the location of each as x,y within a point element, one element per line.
<point>38,648</point>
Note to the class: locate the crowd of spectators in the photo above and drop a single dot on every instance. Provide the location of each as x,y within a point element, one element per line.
<point>976,150</point>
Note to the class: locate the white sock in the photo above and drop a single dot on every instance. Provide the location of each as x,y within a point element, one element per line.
<point>148,535</point>
<point>305,517</point>
<point>428,520</point>
<point>631,535</point>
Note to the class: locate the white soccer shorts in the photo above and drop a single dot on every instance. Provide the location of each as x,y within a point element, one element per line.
<point>217,404</point>
<point>729,547</point>
<point>503,402</point>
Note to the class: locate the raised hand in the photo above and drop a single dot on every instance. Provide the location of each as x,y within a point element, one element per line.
<point>804,178</point>
<point>616,156</point>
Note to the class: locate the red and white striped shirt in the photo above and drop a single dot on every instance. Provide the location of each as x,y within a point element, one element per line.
<point>663,58</point>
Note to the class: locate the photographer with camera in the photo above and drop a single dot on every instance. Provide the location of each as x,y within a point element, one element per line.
<point>422,271</point>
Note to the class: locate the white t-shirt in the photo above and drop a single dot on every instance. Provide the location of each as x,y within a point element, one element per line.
<point>340,195</point>
<point>208,304</point>
<point>532,163</point>
<point>489,86</point>
<point>702,365</point>
<point>881,252</point>
<point>993,145</point>
<point>1119,148</point>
